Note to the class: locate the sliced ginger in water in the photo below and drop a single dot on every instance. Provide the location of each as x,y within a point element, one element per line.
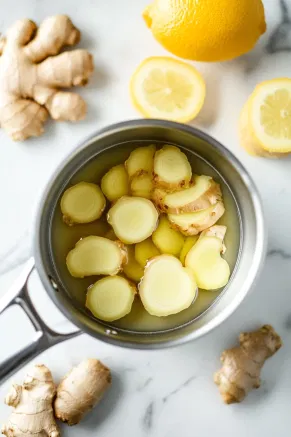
<point>144,251</point>
<point>211,271</point>
<point>140,161</point>
<point>172,169</point>
<point>132,269</point>
<point>202,194</point>
<point>96,256</point>
<point>188,244</point>
<point>82,203</point>
<point>114,183</point>
<point>142,185</point>
<point>194,222</point>
<point>111,298</point>
<point>166,239</point>
<point>167,287</point>
<point>133,219</point>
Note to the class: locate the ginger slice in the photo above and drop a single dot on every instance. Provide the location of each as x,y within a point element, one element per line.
<point>96,256</point>
<point>32,406</point>
<point>189,243</point>
<point>211,271</point>
<point>132,269</point>
<point>144,251</point>
<point>114,183</point>
<point>142,185</point>
<point>167,287</point>
<point>203,193</point>
<point>140,161</point>
<point>241,366</point>
<point>82,203</point>
<point>133,219</point>
<point>166,239</point>
<point>33,76</point>
<point>194,222</point>
<point>80,390</point>
<point>111,298</point>
<point>172,169</point>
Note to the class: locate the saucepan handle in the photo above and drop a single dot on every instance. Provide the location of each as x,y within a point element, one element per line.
<point>44,336</point>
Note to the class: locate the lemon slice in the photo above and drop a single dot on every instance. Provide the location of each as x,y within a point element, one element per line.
<point>166,88</point>
<point>269,116</point>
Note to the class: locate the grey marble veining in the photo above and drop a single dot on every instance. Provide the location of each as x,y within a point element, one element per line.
<point>280,39</point>
<point>148,417</point>
<point>279,252</point>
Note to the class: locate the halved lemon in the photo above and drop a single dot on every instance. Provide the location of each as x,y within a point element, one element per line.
<point>266,119</point>
<point>166,88</point>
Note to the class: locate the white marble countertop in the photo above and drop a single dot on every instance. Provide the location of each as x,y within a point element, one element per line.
<point>163,393</point>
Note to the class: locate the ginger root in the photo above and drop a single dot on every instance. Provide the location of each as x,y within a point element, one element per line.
<point>80,390</point>
<point>242,365</point>
<point>32,73</point>
<point>32,402</point>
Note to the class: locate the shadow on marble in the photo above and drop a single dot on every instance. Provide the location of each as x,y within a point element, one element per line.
<point>87,42</point>
<point>100,78</point>
<point>252,60</point>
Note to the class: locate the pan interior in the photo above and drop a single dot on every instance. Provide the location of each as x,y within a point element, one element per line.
<point>64,238</point>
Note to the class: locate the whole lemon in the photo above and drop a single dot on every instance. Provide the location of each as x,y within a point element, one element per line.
<point>206,30</point>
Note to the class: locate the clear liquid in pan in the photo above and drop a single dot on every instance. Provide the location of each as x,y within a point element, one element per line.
<point>64,239</point>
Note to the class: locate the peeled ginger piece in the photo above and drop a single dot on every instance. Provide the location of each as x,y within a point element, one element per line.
<point>133,219</point>
<point>166,239</point>
<point>167,287</point>
<point>172,169</point>
<point>144,251</point>
<point>142,185</point>
<point>82,203</point>
<point>96,256</point>
<point>132,269</point>
<point>189,243</point>
<point>204,259</point>
<point>203,193</point>
<point>194,222</point>
<point>114,183</point>
<point>141,160</point>
<point>110,298</point>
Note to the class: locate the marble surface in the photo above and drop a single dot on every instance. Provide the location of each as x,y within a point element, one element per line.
<point>163,393</point>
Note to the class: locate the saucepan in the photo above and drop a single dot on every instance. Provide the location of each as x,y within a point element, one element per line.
<point>249,258</point>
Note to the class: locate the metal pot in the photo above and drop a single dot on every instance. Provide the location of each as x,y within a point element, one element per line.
<point>251,256</point>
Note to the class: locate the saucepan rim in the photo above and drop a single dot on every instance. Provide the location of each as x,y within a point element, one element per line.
<point>258,256</point>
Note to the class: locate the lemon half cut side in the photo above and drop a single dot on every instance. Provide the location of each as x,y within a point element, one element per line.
<point>269,115</point>
<point>166,88</point>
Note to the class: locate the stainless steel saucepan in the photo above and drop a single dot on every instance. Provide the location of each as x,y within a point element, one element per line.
<point>250,258</point>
